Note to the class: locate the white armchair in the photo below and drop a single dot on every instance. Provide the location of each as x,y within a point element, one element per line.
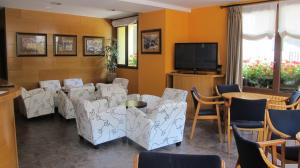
<point>37,102</point>
<point>122,82</point>
<point>53,86</point>
<point>162,126</point>
<point>65,105</point>
<point>113,93</point>
<point>77,83</point>
<point>99,123</point>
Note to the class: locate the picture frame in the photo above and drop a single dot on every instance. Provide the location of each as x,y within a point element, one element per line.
<point>93,46</point>
<point>64,45</point>
<point>31,44</point>
<point>151,41</point>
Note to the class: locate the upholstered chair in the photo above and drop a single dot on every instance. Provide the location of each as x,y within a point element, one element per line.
<point>76,83</point>
<point>123,82</point>
<point>115,94</point>
<point>168,160</point>
<point>288,103</point>
<point>176,95</point>
<point>221,89</point>
<point>53,86</point>
<point>160,125</point>
<point>97,122</point>
<point>37,102</point>
<point>65,104</point>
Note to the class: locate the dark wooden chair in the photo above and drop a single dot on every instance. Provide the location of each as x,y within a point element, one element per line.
<point>251,154</point>
<point>284,124</point>
<point>247,115</point>
<point>165,160</point>
<point>206,114</point>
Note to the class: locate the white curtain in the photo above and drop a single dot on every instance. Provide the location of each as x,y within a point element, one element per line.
<point>125,21</point>
<point>289,16</point>
<point>259,21</point>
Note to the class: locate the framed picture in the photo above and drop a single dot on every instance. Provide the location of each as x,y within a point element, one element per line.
<point>31,44</point>
<point>93,46</point>
<point>151,41</point>
<point>65,45</point>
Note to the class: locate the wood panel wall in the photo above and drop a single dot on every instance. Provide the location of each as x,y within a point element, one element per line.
<point>27,71</point>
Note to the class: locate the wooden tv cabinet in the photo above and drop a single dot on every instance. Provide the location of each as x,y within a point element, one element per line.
<point>205,83</point>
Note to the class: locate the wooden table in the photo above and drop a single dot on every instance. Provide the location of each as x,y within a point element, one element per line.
<point>135,103</point>
<point>246,95</point>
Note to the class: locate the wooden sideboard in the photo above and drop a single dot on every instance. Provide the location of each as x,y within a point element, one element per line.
<point>205,83</point>
<point>8,142</point>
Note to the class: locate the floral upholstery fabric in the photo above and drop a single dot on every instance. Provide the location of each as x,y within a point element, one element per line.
<point>73,83</point>
<point>53,86</point>
<point>177,95</point>
<point>123,82</point>
<point>163,126</point>
<point>38,102</point>
<point>113,93</point>
<point>98,123</point>
<point>65,105</point>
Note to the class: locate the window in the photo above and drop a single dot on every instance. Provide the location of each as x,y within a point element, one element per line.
<point>271,47</point>
<point>127,45</point>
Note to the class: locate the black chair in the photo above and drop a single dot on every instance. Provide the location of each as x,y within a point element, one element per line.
<point>284,124</point>
<point>206,114</point>
<point>251,154</point>
<point>165,160</point>
<point>247,115</point>
<point>290,103</point>
<point>221,89</point>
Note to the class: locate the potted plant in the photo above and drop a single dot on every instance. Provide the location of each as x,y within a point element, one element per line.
<point>111,54</point>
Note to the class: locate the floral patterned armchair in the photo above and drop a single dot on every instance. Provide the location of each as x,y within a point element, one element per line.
<point>99,123</point>
<point>162,126</point>
<point>53,86</point>
<point>76,83</point>
<point>37,102</point>
<point>65,105</point>
<point>123,82</point>
<point>113,93</point>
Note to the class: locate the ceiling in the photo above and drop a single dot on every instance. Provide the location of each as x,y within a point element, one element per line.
<point>108,8</point>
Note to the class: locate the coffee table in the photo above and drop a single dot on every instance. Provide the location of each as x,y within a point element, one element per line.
<point>135,103</point>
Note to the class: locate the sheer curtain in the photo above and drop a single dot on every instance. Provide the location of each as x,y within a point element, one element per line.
<point>289,13</point>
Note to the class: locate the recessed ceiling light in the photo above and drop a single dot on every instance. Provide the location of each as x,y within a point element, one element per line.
<point>55,3</point>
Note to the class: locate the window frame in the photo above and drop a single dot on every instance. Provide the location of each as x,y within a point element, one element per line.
<point>277,65</point>
<point>126,48</point>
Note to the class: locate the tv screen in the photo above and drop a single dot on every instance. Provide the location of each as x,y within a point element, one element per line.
<point>196,56</point>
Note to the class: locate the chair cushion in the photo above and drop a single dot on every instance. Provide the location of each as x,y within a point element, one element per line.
<point>248,124</point>
<point>207,112</point>
<point>291,152</point>
<point>293,98</point>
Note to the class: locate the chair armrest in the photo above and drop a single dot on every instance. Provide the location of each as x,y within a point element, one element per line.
<point>133,97</point>
<point>271,143</point>
<point>135,115</point>
<point>35,91</point>
<point>211,102</point>
<point>211,97</point>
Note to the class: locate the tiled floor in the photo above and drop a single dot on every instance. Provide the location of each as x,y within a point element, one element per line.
<point>52,142</point>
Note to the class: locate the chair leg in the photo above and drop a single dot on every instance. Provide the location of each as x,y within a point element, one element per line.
<point>193,128</point>
<point>237,164</point>
<point>229,139</point>
<point>220,130</point>
<point>260,135</point>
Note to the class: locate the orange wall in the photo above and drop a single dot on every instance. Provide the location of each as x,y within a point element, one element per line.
<point>132,76</point>
<point>27,71</point>
<point>209,24</point>
<point>151,74</point>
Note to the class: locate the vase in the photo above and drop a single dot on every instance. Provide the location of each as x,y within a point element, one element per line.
<point>110,76</point>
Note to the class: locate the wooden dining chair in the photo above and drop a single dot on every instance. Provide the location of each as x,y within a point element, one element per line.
<point>166,160</point>
<point>284,124</point>
<point>252,155</point>
<point>206,114</point>
<point>247,115</point>
<point>221,89</point>
<point>288,103</point>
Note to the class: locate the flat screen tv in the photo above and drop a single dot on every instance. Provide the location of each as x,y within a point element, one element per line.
<point>196,56</point>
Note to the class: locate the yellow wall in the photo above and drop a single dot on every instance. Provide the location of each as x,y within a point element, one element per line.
<point>27,71</point>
